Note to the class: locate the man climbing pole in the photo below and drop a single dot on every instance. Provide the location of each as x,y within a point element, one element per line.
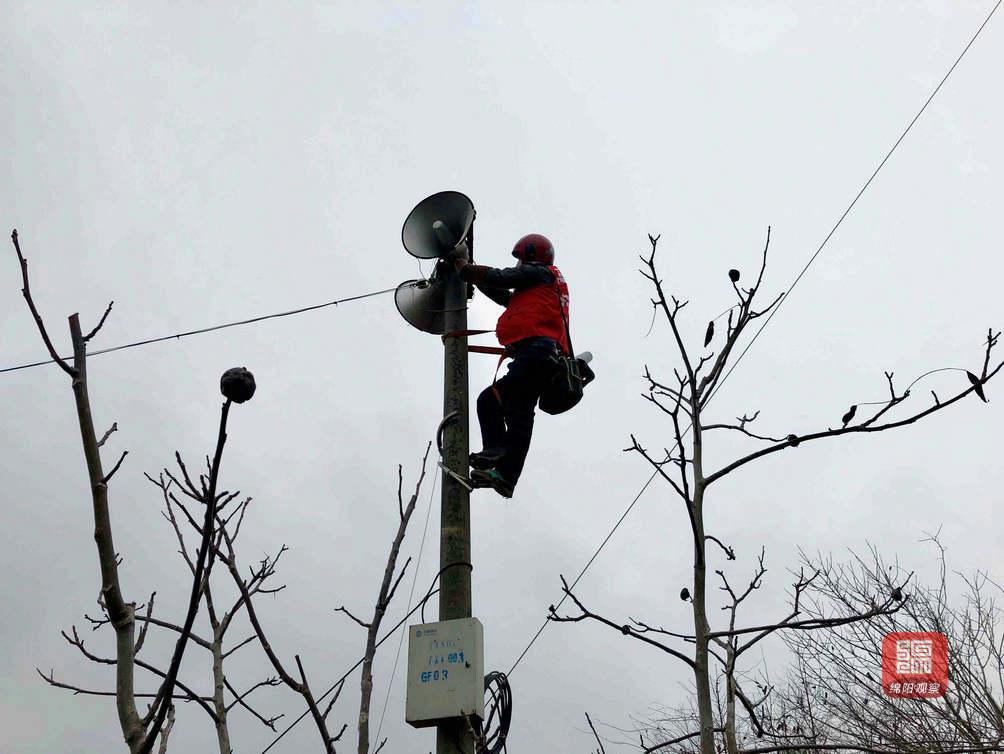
<point>533,329</point>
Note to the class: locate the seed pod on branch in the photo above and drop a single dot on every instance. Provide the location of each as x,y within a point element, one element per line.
<point>237,384</point>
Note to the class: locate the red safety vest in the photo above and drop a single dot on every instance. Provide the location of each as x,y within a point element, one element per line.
<point>534,312</point>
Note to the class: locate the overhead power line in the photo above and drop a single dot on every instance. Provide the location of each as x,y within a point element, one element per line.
<point>178,336</point>
<point>586,567</point>
<point>812,259</point>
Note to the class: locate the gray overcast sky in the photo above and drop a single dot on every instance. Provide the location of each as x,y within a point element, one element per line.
<point>199,165</point>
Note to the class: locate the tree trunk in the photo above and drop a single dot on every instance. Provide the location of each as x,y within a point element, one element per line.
<point>699,598</point>
<point>701,631</point>
<point>388,586</point>
<point>366,687</point>
<point>731,746</point>
<point>219,701</point>
<point>121,613</point>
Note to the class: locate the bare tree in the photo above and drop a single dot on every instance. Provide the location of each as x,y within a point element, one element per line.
<point>832,694</point>
<point>225,696</point>
<point>300,683</point>
<point>832,699</point>
<point>221,520</point>
<point>140,732</point>
<point>219,623</point>
<point>216,704</point>
<point>683,399</point>
<point>388,587</point>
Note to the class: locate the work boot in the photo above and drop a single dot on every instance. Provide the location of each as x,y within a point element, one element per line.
<point>487,458</point>
<point>479,480</point>
<point>491,478</point>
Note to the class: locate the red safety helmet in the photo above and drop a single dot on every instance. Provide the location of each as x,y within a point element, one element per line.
<point>534,249</point>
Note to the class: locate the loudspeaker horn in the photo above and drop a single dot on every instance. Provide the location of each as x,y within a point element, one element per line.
<point>437,224</point>
<point>422,304</point>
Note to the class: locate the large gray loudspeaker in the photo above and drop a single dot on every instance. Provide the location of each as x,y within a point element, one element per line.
<point>437,225</point>
<point>421,303</point>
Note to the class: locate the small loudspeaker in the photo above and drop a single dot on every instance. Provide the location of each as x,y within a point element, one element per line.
<point>437,225</point>
<point>421,303</point>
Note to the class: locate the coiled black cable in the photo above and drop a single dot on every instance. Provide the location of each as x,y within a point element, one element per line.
<point>498,714</point>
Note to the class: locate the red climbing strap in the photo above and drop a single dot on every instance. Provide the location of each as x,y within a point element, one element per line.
<point>477,349</point>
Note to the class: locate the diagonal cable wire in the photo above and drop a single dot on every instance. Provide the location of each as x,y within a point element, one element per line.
<point>586,567</point>
<point>854,201</point>
<point>767,321</point>
<point>178,336</point>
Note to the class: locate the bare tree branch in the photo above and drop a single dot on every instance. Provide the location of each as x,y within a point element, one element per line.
<point>26,292</point>
<point>624,629</point>
<point>362,623</point>
<point>388,587</point>
<point>108,477</point>
<point>165,732</point>
<point>190,695</point>
<point>600,750</point>
<point>49,679</point>
<point>104,316</point>
<point>108,434</point>
<point>203,567</point>
<point>866,426</point>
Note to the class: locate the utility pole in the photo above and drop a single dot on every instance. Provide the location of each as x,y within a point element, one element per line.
<point>440,692</point>
<point>454,736</point>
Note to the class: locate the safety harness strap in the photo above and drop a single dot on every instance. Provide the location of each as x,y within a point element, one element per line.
<point>495,379</point>
<point>497,350</point>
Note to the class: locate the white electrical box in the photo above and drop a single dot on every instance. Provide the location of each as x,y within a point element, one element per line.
<point>446,672</point>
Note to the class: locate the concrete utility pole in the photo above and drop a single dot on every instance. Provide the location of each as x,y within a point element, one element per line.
<point>454,737</point>
<point>437,226</point>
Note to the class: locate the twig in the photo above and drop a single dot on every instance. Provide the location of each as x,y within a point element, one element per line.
<point>107,478</point>
<point>26,291</point>
<point>169,725</point>
<point>729,552</point>
<point>104,316</point>
<point>107,434</point>
<point>77,690</point>
<point>601,750</point>
<point>624,629</point>
<point>239,699</point>
<point>343,609</point>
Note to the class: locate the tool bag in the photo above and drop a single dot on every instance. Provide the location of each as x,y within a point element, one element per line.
<point>565,389</point>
